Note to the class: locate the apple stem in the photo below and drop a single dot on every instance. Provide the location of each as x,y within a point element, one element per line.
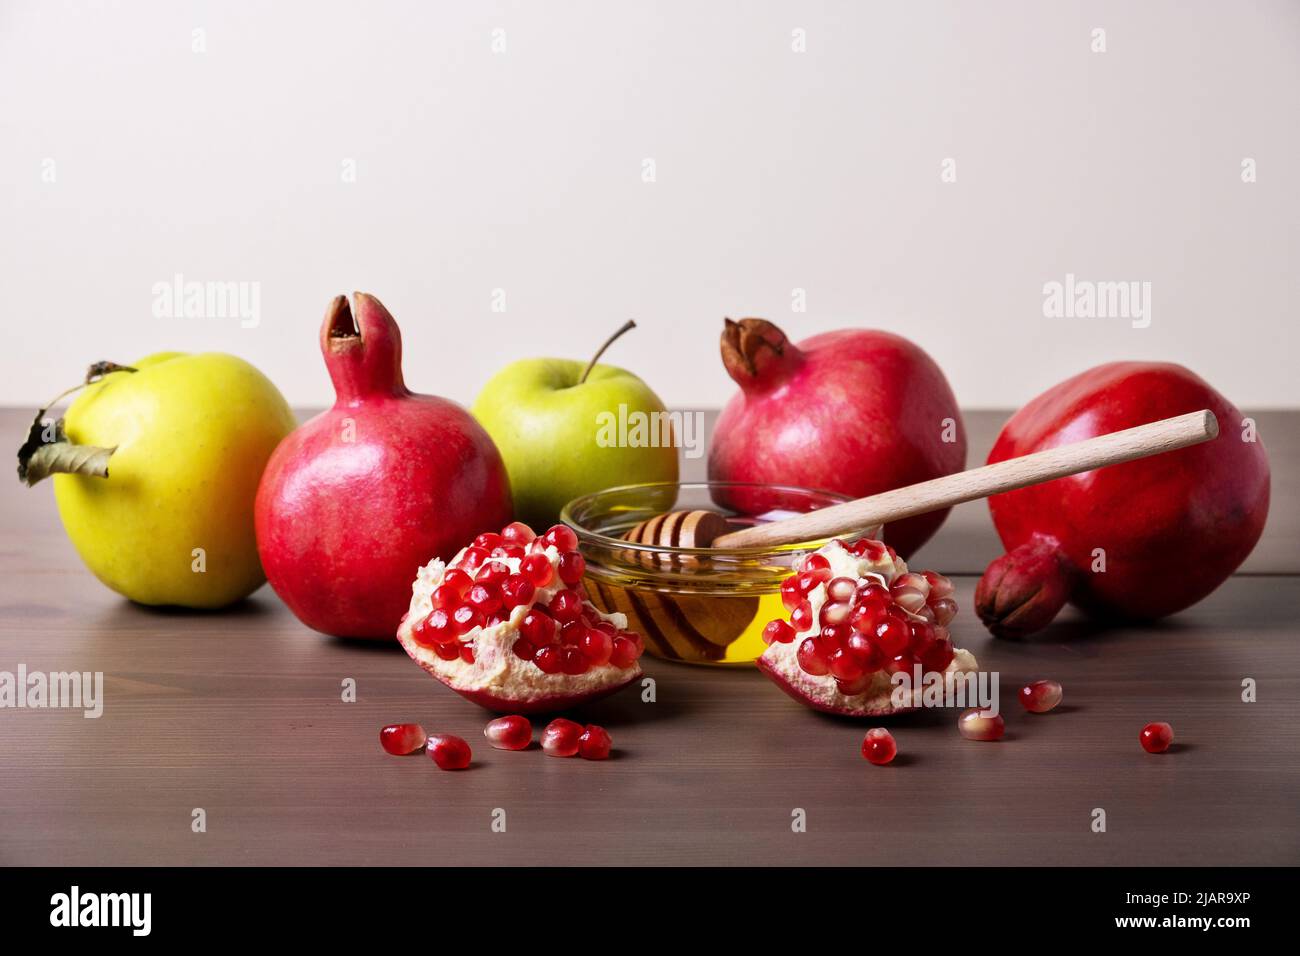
<point>627,326</point>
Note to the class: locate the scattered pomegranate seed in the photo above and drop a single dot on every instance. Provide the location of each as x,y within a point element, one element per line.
<point>561,537</point>
<point>878,746</point>
<point>509,733</point>
<point>778,632</point>
<point>516,532</point>
<point>977,724</point>
<point>561,738</point>
<point>1156,737</point>
<point>402,739</point>
<point>572,567</point>
<point>448,752</point>
<point>1040,696</point>
<point>594,743</point>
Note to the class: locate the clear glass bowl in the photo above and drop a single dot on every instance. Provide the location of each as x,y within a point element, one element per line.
<point>703,606</point>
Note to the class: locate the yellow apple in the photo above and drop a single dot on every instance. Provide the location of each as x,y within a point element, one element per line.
<point>172,520</point>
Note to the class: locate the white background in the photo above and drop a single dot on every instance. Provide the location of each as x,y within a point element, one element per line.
<point>775,170</point>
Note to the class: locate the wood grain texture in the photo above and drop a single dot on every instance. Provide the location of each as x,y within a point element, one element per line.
<point>240,713</point>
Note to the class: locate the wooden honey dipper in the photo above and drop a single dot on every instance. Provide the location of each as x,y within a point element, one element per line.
<point>708,529</point>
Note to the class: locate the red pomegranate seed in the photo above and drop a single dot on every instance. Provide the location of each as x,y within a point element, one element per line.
<point>561,738</point>
<point>467,653</point>
<point>523,650</point>
<point>537,568</point>
<point>623,653</point>
<point>572,632</point>
<point>977,724</point>
<point>936,656</point>
<point>836,634</point>
<point>866,651</point>
<point>909,599</point>
<point>922,633</point>
<point>904,663</point>
<point>572,567</point>
<point>605,626</point>
<point>856,687</point>
<point>547,659</point>
<point>448,752</point>
<point>893,637</point>
<point>445,596</point>
<point>866,617</point>
<point>815,562</point>
<point>791,596</point>
<point>509,733</point>
<point>465,618</point>
<point>493,573</point>
<point>562,538</point>
<point>434,628</point>
<point>778,632</point>
<point>841,589</point>
<point>1040,696</point>
<point>402,739</point>
<point>1156,737</point>
<point>597,646</point>
<point>846,666</point>
<point>538,627</point>
<point>945,609</point>
<point>940,586</point>
<point>594,743</point>
<point>835,613</point>
<point>447,652</point>
<point>516,532</point>
<point>913,580</point>
<point>878,746</point>
<point>517,591</point>
<point>484,598</point>
<point>810,579</point>
<point>812,658</point>
<point>566,606</point>
<point>801,618</point>
<point>473,557</point>
<point>488,540</point>
<point>458,579</point>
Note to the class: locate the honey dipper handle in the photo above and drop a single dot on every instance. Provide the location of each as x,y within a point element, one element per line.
<point>1169,434</point>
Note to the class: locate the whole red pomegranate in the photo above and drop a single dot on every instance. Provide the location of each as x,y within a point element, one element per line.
<point>353,502</point>
<point>856,411</point>
<point>1139,540</point>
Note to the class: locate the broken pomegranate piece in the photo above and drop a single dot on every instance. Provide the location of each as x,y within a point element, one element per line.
<point>857,616</point>
<point>506,624</point>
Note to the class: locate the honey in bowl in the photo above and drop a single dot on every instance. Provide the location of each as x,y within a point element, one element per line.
<point>699,605</point>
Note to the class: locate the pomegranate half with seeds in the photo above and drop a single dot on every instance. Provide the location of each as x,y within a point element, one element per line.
<point>507,625</point>
<point>857,616</point>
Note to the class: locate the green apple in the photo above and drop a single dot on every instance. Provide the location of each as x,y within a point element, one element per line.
<point>567,428</point>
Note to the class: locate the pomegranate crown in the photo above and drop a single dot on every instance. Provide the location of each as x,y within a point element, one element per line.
<point>362,348</point>
<point>756,352</point>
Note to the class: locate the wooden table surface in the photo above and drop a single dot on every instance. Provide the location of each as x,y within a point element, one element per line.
<point>240,714</point>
